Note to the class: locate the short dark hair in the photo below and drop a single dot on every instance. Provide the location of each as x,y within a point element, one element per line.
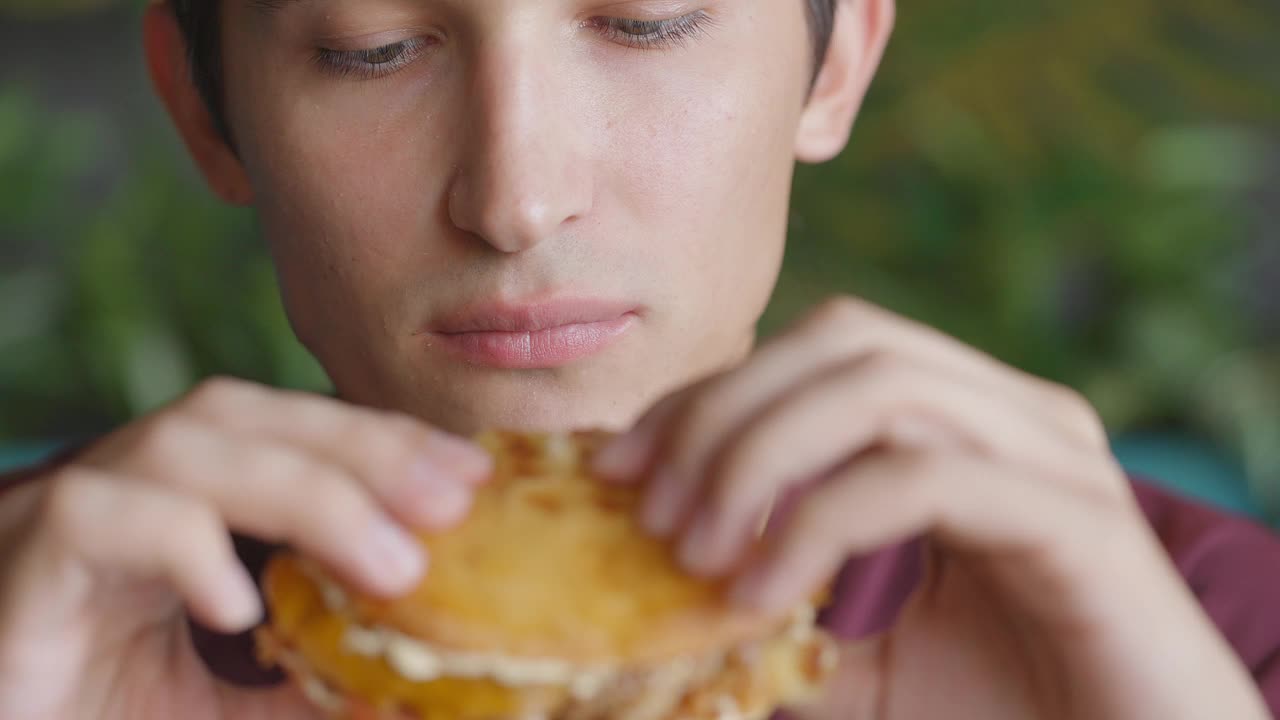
<point>199,20</point>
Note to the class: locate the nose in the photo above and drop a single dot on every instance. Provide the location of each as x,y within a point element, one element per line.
<point>522,176</point>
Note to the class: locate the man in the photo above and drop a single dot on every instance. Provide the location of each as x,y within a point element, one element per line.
<point>535,214</point>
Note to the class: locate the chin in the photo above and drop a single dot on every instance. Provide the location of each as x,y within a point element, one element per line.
<point>467,401</point>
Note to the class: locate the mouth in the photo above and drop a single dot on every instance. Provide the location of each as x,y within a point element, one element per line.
<point>532,336</point>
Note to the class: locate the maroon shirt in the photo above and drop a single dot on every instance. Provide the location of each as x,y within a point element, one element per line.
<point>1232,565</point>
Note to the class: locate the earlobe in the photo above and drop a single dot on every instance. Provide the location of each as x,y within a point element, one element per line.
<point>171,77</point>
<point>859,36</point>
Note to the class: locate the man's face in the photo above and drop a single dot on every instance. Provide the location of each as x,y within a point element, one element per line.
<point>520,213</point>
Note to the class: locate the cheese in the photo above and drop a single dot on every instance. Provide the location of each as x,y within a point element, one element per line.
<point>335,598</point>
<point>418,661</point>
<point>727,708</point>
<point>802,623</point>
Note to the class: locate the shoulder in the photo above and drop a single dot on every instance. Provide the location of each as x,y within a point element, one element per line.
<point>1232,564</point>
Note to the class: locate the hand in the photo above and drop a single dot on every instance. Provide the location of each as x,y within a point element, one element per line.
<point>94,581</point>
<point>1046,595</point>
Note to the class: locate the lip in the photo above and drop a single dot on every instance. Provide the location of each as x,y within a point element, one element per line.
<point>539,335</point>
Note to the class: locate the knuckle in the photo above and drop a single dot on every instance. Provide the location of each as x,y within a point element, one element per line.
<point>70,499</point>
<point>402,426</point>
<point>839,311</point>
<point>878,367</point>
<point>396,437</point>
<point>387,446</point>
<point>217,393</point>
<point>843,319</point>
<point>278,464</point>
<point>334,500</point>
<point>166,437</point>
<point>203,519</point>
<point>884,381</point>
<point>198,530</point>
<point>1069,400</point>
<point>1076,409</point>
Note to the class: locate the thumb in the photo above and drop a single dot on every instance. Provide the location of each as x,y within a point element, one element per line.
<point>854,690</point>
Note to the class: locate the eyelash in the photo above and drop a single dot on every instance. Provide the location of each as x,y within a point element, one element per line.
<point>369,64</point>
<point>388,59</point>
<point>654,34</point>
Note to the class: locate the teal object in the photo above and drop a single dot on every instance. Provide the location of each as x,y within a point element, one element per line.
<point>13,457</point>
<point>1184,465</point>
<point>1189,467</point>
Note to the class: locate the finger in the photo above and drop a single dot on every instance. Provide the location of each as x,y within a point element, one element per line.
<point>278,494</point>
<point>839,330</point>
<point>838,333</point>
<point>873,402</point>
<point>332,426</point>
<point>407,463</point>
<point>862,328</point>
<point>625,458</point>
<point>965,503</point>
<point>685,420</point>
<point>97,525</point>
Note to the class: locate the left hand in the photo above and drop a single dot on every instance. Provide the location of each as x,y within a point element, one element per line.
<point>1046,593</point>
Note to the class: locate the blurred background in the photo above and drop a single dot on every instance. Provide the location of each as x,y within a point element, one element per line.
<point>1089,190</point>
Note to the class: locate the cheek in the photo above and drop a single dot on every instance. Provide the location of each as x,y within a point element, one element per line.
<point>710,160</point>
<point>344,187</point>
<point>691,166</point>
<point>351,183</point>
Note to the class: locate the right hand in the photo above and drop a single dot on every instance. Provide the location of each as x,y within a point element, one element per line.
<point>101,557</point>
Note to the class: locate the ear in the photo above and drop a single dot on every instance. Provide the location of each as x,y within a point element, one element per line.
<point>858,39</point>
<point>170,70</point>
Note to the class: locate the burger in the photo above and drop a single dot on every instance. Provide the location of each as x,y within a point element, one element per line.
<point>548,603</point>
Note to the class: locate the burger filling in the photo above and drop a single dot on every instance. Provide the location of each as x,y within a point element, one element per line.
<point>427,681</point>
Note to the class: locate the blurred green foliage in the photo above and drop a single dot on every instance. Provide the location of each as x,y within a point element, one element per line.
<point>1069,186</point>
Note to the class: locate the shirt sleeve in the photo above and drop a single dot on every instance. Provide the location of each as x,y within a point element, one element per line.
<point>1233,567</point>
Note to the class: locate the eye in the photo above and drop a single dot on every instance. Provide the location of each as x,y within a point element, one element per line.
<point>374,62</point>
<point>653,34</point>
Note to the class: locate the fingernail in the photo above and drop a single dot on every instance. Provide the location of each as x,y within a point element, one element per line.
<point>620,461</point>
<point>695,551</point>
<point>397,559</point>
<point>438,498</point>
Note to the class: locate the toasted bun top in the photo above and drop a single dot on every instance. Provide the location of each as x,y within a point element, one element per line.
<point>553,563</point>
